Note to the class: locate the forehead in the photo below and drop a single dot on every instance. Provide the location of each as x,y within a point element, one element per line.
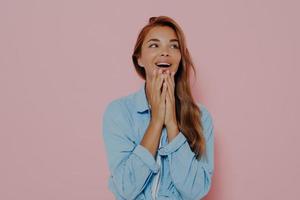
<point>161,33</point>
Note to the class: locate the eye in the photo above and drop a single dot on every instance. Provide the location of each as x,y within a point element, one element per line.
<point>175,46</point>
<point>151,45</point>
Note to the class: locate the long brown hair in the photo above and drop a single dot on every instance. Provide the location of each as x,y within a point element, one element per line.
<point>187,111</point>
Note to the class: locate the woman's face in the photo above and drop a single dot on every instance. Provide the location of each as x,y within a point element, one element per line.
<point>160,50</point>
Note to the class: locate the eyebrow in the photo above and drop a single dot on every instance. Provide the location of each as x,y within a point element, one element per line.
<point>157,40</point>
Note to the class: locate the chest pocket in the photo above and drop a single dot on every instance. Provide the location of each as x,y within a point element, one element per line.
<point>141,123</point>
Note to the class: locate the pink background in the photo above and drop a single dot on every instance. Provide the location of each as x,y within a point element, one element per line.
<point>62,61</point>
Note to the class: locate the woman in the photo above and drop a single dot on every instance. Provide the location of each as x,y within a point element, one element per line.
<point>159,142</point>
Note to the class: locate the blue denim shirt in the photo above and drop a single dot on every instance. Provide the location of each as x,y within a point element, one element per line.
<point>133,167</point>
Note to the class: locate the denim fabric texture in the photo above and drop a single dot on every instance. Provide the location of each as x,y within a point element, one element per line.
<point>132,167</point>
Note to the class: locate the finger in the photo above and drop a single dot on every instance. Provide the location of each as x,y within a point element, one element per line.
<point>154,79</point>
<point>168,100</point>
<point>170,80</point>
<point>173,78</point>
<point>160,79</point>
<point>164,91</point>
<point>157,73</point>
<point>158,84</point>
<point>170,84</point>
<point>170,91</point>
<point>150,83</point>
<point>153,74</point>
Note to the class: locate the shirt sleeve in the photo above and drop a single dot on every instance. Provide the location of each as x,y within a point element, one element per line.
<point>191,177</point>
<point>131,165</point>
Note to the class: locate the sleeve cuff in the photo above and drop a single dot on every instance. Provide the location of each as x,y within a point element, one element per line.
<point>175,144</point>
<point>146,157</point>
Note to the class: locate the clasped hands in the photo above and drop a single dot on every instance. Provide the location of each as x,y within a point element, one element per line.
<point>161,89</point>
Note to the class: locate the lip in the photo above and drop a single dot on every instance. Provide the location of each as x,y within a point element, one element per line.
<point>163,66</point>
<point>163,61</point>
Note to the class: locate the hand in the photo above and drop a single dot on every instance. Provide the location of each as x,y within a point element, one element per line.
<point>156,97</point>
<point>170,117</point>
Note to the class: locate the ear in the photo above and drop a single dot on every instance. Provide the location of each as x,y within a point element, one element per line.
<point>140,62</point>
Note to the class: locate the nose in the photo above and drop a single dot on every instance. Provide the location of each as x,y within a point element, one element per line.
<point>164,52</point>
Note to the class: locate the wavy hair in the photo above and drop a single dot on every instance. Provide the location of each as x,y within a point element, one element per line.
<point>188,113</point>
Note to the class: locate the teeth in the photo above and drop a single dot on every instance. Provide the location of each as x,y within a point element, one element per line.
<point>163,64</point>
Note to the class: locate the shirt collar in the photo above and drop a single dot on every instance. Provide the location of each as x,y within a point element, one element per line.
<point>141,99</point>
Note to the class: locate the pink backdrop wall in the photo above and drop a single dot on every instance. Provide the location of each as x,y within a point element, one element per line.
<point>62,61</point>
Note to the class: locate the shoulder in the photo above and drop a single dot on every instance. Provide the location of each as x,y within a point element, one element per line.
<point>206,119</point>
<point>119,108</point>
<point>117,122</point>
<point>205,113</point>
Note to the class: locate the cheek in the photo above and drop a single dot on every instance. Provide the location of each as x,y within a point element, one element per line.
<point>178,58</point>
<point>151,55</point>
<point>150,62</point>
<point>148,52</point>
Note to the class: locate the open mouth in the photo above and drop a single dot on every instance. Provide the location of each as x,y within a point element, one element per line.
<point>163,65</point>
